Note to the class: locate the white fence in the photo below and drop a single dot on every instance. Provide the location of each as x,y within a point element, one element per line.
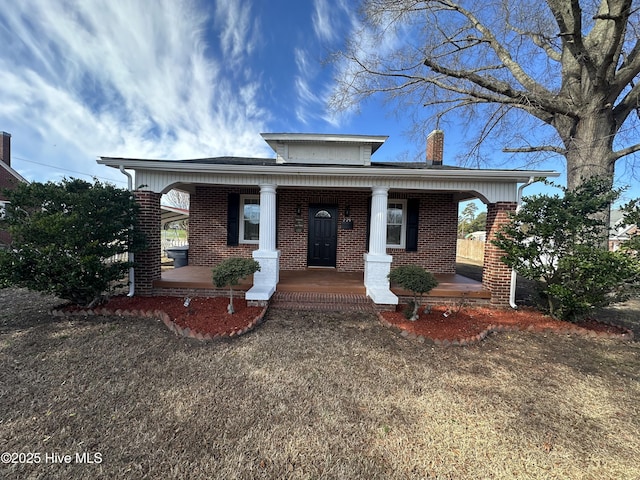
<point>167,240</point>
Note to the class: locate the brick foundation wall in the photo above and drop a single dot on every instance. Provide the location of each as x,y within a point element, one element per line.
<point>147,267</point>
<point>208,228</point>
<point>496,275</point>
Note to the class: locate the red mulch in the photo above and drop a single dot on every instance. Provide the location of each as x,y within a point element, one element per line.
<point>209,316</point>
<point>204,315</point>
<point>444,324</point>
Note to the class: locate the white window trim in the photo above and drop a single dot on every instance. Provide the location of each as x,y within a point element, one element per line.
<point>3,206</point>
<point>403,228</point>
<point>241,232</point>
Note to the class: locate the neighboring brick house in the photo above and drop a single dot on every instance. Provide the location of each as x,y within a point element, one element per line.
<point>619,232</point>
<point>9,178</point>
<point>323,202</point>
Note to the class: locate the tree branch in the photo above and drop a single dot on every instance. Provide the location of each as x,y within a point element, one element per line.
<point>568,15</point>
<point>541,148</point>
<point>503,54</point>
<point>538,39</point>
<point>602,31</point>
<point>629,103</point>
<point>632,58</point>
<point>629,69</point>
<point>625,151</point>
<point>526,99</point>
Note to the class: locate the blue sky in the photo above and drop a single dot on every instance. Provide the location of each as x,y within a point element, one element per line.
<point>176,79</point>
<point>167,79</point>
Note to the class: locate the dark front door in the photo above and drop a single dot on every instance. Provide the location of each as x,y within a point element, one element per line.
<point>323,221</point>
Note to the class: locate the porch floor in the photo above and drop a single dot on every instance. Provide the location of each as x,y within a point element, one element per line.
<point>320,281</point>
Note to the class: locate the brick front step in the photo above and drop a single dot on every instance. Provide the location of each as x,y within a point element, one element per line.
<point>321,301</point>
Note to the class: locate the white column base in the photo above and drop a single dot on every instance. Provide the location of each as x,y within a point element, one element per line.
<point>265,281</point>
<point>376,280</point>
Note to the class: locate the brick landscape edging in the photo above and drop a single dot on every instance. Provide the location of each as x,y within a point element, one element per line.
<point>463,342</point>
<point>164,318</point>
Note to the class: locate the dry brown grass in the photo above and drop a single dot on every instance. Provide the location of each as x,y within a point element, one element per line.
<point>311,395</point>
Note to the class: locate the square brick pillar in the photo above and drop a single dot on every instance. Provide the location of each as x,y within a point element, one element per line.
<point>147,262</point>
<point>496,276</point>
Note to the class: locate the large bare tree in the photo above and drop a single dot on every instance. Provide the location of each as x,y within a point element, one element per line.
<point>177,198</point>
<point>571,65</point>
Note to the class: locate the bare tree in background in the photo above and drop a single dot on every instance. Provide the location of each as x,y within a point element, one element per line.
<point>177,198</point>
<point>566,64</point>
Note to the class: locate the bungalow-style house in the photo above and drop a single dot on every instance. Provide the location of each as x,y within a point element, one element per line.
<point>324,203</point>
<point>9,178</point>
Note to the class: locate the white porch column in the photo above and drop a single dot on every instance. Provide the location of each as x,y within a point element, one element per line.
<point>265,281</point>
<point>377,264</point>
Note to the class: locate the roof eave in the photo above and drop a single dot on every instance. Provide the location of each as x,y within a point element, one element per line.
<point>518,176</point>
<point>13,173</point>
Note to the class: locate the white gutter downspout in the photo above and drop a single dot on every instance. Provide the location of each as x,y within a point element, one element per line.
<point>130,256</point>
<point>514,274</point>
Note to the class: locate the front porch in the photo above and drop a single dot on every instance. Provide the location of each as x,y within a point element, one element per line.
<point>196,280</point>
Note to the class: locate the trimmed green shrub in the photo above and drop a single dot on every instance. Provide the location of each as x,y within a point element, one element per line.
<point>64,236</point>
<point>416,279</point>
<point>558,243</point>
<point>230,272</point>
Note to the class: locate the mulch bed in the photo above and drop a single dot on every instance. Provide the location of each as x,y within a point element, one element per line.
<point>447,326</point>
<point>207,318</point>
<point>200,318</point>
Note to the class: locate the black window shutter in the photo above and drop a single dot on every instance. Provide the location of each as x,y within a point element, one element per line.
<point>233,219</point>
<point>413,214</point>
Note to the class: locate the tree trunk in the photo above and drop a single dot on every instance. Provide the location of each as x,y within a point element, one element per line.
<point>230,308</point>
<point>589,144</point>
<point>589,152</point>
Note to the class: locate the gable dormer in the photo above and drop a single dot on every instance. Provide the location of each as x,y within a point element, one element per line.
<point>327,149</point>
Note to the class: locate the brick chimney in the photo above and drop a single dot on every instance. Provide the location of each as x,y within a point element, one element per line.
<point>5,148</point>
<point>435,147</point>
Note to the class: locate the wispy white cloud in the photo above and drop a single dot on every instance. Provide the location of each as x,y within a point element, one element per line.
<point>312,85</point>
<point>311,104</point>
<point>332,20</point>
<point>239,31</point>
<point>375,44</point>
<point>108,77</point>
<point>324,19</point>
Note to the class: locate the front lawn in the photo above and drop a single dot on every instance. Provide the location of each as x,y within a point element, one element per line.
<point>309,395</point>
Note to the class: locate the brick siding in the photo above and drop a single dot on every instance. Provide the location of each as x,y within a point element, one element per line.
<point>208,228</point>
<point>496,275</point>
<point>437,234</point>
<point>147,267</point>
<point>435,147</point>
<point>7,181</point>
